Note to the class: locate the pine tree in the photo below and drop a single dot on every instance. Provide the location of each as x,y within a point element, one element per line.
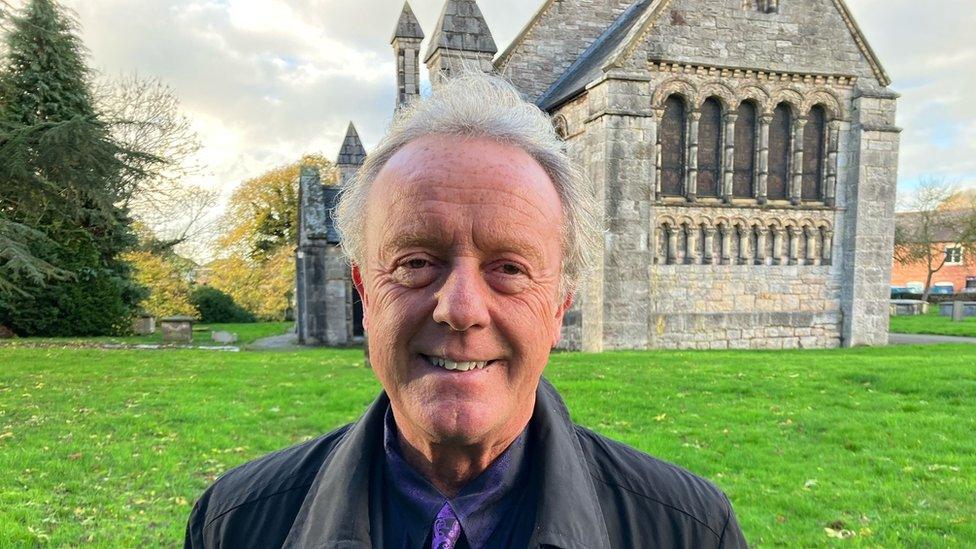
<point>61,176</point>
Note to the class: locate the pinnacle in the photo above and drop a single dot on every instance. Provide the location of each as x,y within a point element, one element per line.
<point>407,26</point>
<point>462,27</point>
<point>352,152</point>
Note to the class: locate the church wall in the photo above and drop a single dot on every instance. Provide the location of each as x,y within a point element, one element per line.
<point>564,29</point>
<point>782,279</point>
<point>803,36</point>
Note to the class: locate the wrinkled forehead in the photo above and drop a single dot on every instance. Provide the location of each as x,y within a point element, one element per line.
<point>436,176</point>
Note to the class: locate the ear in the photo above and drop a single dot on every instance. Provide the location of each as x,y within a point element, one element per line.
<point>557,326</point>
<point>357,281</point>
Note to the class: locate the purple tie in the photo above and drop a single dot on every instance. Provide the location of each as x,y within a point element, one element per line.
<point>447,529</point>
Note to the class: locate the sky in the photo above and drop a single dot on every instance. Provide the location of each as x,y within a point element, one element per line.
<point>267,80</point>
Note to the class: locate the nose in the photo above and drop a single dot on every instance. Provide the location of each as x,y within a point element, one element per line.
<point>462,300</point>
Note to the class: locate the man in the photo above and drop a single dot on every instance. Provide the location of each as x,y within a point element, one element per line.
<point>467,231</point>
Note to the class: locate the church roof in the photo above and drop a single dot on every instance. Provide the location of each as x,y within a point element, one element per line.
<point>589,65</point>
<point>352,152</point>
<point>461,27</point>
<point>620,39</point>
<point>407,26</point>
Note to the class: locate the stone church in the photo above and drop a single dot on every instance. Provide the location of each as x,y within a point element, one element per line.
<point>745,153</point>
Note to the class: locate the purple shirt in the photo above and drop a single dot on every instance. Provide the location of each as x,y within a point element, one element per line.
<point>411,502</point>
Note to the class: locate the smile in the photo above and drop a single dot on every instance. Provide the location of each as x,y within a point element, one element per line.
<point>465,366</point>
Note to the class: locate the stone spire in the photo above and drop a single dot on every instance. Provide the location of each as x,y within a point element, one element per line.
<point>462,40</point>
<point>351,155</point>
<point>406,45</point>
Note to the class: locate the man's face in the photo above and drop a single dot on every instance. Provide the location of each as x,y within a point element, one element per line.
<point>463,259</point>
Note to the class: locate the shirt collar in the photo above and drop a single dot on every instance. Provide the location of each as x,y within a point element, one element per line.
<point>480,505</point>
<point>569,514</point>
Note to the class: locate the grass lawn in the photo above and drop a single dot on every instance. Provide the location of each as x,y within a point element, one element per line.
<point>246,333</point>
<point>112,447</point>
<point>934,324</point>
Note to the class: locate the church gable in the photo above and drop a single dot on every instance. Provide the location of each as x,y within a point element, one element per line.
<point>790,36</point>
<point>553,40</point>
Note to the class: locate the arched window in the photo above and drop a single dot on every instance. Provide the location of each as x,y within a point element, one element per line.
<point>778,183</point>
<point>814,149</point>
<point>744,173</point>
<point>710,149</point>
<point>673,143</point>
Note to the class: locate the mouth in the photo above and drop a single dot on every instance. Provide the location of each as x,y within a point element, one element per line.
<point>457,366</point>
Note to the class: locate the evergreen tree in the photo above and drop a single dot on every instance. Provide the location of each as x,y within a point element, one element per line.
<point>61,176</point>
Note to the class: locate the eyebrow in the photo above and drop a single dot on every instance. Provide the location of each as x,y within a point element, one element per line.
<point>510,244</point>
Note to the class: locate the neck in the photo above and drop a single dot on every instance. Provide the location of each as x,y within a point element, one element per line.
<point>450,466</point>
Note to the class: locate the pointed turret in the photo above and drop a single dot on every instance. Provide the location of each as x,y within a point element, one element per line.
<point>351,155</point>
<point>462,40</point>
<point>406,44</point>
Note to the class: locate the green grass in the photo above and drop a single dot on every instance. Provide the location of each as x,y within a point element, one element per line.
<point>111,447</point>
<point>246,333</point>
<point>933,324</point>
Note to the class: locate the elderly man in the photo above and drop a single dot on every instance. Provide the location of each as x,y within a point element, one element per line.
<point>468,232</point>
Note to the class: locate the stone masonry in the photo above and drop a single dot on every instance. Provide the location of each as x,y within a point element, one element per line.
<point>744,151</point>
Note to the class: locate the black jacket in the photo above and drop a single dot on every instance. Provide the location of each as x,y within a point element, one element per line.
<point>593,493</point>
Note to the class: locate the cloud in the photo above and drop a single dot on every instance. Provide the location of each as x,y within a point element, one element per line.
<point>269,80</point>
<point>931,57</point>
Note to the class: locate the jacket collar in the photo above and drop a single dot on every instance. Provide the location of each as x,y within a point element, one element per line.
<point>336,511</point>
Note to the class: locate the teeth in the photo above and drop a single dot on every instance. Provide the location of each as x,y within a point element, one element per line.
<point>451,365</point>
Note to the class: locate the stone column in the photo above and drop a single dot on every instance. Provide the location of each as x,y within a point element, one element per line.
<point>656,169</point>
<point>761,234</point>
<point>871,173</point>
<point>730,120</point>
<point>691,183</point>
<point>830,188</point>
<point>763,165</point>
<point>726,231</point>
<point>827,249</point>
<point>794,245</point>
<point>691,244</point>
<point>672,233</point>
<point>796,189</point>
<point>778,235</point>
<point>709,257</point>
<point>745,235</point>
<point>812,233</point>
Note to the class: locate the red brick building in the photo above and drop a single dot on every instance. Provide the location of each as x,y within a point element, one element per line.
<point>959,270</point>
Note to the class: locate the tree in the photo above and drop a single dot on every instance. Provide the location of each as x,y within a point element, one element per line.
<point>262,214</point>
<point>939,215</point>
<point>143,114</point>
<point>62,178</point>
<point>264,288</point>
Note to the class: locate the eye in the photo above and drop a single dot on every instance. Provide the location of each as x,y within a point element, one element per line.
<point>511,269</point>
<point>416,263</point>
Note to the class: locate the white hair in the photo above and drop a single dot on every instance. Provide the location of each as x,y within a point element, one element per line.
<point>475,104</point>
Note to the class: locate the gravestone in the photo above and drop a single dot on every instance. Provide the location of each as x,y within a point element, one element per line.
<point>224,338</point>
<point>965,309</point>
<point>177,329</point>
<point>908,307</point>
<point>144,324</point>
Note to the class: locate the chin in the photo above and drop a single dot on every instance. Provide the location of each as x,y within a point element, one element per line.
<point>461,422</point>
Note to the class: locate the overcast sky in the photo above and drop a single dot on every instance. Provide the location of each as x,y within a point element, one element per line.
<point>268,80</point>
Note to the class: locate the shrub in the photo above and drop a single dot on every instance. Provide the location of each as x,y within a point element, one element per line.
<point>215,306</point>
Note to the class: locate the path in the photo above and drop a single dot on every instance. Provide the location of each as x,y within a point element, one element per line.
<point>925,339</point>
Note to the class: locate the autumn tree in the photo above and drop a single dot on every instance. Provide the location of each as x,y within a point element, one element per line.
<point>262,214</point>
<point>257,265</point>
<point>938,215</point>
